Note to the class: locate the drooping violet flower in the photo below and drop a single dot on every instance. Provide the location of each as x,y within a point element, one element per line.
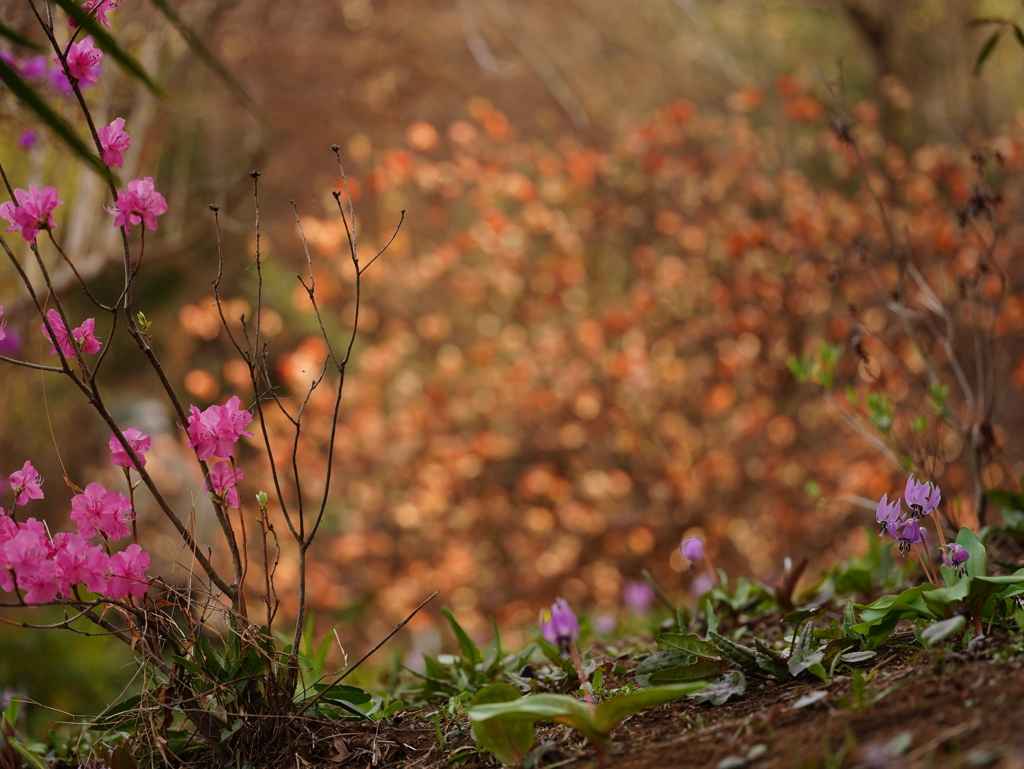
<point>28,139</point>
<point>559,626</point>
<point>887,514</point>
<point>140,443</point>
<point>139,203</point>
<point>911,533</point>
<point>26,483</point>
<point>84,335</point>
<point>128,573</point>
<point>956,557</point>
<point>98,510</point>
<point>701,584</point>
<point>114,140</point>
<point>225,483</point>
<point>83,59</point>
<point>692,549</point>
<point>921,498</point>
<point>105,7</point>
<point>638,596</point>
<point>33,212</point>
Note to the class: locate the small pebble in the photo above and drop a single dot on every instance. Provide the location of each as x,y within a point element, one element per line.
<point>732,762</point>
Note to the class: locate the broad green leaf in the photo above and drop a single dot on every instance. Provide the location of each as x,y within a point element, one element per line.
<point>702,668</point>
<point>107,42</point>
<point>986,51</point>
<point>942,630</point>
<point>470,652</point>
<point>613,710</point>
<point>1007,499</point>
<point>508,740</point>
<point>343,693</point>
<point>199,49</point>
<point>34,759</point>
<point>16,37</point>
<point>686,643</point>
<point>738,653</point>
<point>730,685</point>
<point>28,96</point>
<point>665,660</point>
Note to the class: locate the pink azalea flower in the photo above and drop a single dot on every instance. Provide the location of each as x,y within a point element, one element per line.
<point>84,334</point>
<point>224,481</point>
<point>33,68</point>
<point>238,418</point>
<point>83,59</point>
<point>25,483</point>
<point>128,573</point>
<point>3,324</point>
<point>137,440</point>
<point>105,7</point>
<point>214,431</point>
<point>33,212</point>
<point>99,510</point>
<point>79,561</point>
<point>8,530</point>
<point>28,554</point>
<point>139,203</point>
<point>114,140</point>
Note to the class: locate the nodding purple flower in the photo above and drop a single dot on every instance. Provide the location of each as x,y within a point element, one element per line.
<point>692,549</point>
<point>921,498</point>
<point>888,515</point>
<point>638,596</point>
<point>911,533</point>
<point>559,626</point>
<point>956,557</point>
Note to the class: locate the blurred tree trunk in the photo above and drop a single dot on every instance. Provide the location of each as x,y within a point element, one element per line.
<point>922,53</point>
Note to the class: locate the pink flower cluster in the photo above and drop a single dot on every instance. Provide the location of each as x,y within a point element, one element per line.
<point>214,432</point>
<point>3,324</point>
<point>139,442</point>
<point>224,480</point>
<point>45,568</point>
<point>83,60</point>
<point>114,140</point>
<point>33,211</point>
<point>85,336</point>
<point>104,7</point>
<point>139,203</point>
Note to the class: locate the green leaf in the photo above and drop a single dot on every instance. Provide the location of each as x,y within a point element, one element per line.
<point>18,38</point>
<point>470,652</point>
<point>671,658</point>
<point>702,668</point>
<point>691,644</point>
<point>106,41</point>
<point>27,95</point>
<point>343,693</point>
<point>730,685</point>
<point>738,653</point>
<point>608,714</point>
<point>942,630</point>
<point>509,741</point>
<point>199,49</point>
<point>1006,499</point>
<point>986,51</point>
<point>34,759</point>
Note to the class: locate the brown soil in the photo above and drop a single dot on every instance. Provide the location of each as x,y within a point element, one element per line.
<point>951,710</point>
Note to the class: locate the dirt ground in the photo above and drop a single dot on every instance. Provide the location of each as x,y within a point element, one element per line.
<point>941,709</point>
